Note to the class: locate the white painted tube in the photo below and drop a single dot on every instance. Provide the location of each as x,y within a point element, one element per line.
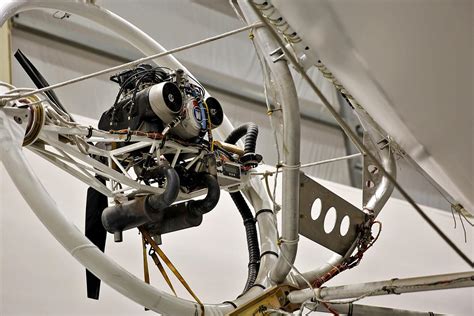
<point>44,207</point>
<point>72,239</point>
<point>387,287</point>
<point>290,148</point>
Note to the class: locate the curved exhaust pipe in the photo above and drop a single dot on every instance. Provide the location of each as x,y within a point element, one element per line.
<point>142,210</point>
<point>156,212</point>
<point>188,214</point>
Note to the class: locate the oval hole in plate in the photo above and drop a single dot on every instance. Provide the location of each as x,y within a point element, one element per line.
<point>344,228</point>
<point>330,220</point>
<point>316,209</point>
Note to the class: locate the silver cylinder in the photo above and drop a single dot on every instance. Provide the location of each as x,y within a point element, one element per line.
<point>165,101</point>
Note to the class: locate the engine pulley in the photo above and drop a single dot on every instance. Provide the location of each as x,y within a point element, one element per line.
<point>35,123</point>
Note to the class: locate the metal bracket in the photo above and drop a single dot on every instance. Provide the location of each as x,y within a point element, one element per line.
<point>372,174</point>
<point>376,188</point>
<point>20,115</point>
<point>326,218</point>
<point>274,298</point>
<point>277,54</point>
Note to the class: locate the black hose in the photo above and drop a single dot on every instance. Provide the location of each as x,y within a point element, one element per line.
<point>252,239</point>
<point>210,201</point>
<point>250,131</point>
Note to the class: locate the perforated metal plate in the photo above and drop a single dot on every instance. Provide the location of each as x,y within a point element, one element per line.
<point>372,175</point>
<point>336,233</point>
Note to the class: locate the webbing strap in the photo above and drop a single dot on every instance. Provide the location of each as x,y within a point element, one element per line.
<point>157,250</point>
<point>162,270</point>
<point>146,274</point>
<point>158,264</point>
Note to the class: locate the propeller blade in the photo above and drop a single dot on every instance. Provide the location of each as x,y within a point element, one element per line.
<point>37,78</point>
<point>96,203</point>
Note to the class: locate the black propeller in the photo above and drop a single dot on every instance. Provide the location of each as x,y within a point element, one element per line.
<point>37,78</point>
<point>96,203</point>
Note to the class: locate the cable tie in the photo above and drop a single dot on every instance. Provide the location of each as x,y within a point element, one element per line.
<point>287,241</point>
<point>291,167</point>
<point>269,252</point>
<point>258,285</point>
<point>263,211</point>
<point>230,303</point>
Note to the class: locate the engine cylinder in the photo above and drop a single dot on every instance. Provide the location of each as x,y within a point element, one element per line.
<point>190,126</point>
<point>165,101</point>
<point>215,112</point>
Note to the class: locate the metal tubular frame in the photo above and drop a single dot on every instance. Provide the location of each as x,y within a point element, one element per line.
<point>291,145</point>
<point>392,178</point>
<point>368,310</point>
<point>384,188</point>
<point>68,156</point>
<point>387,287</point>
<point>11,136</point>
<point>45,208</point>
<point>273,270</point>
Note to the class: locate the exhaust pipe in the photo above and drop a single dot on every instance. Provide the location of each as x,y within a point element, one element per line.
<point>142,210</point>
<point>154,211</point>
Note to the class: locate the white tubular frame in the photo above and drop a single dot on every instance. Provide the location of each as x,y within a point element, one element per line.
<point>69,158</point>
<point>387,287</point>
<point>52,218</point>
<point>291,146</point>
<point>72,239</point>
<point>273,269</point>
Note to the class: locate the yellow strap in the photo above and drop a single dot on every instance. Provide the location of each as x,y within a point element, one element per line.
<point>158,264</point>
<point>163,272</point>
<point>146,274</point>
<point>170,265</point>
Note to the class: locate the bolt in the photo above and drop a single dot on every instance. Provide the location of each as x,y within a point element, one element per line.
<point>18,119</point>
